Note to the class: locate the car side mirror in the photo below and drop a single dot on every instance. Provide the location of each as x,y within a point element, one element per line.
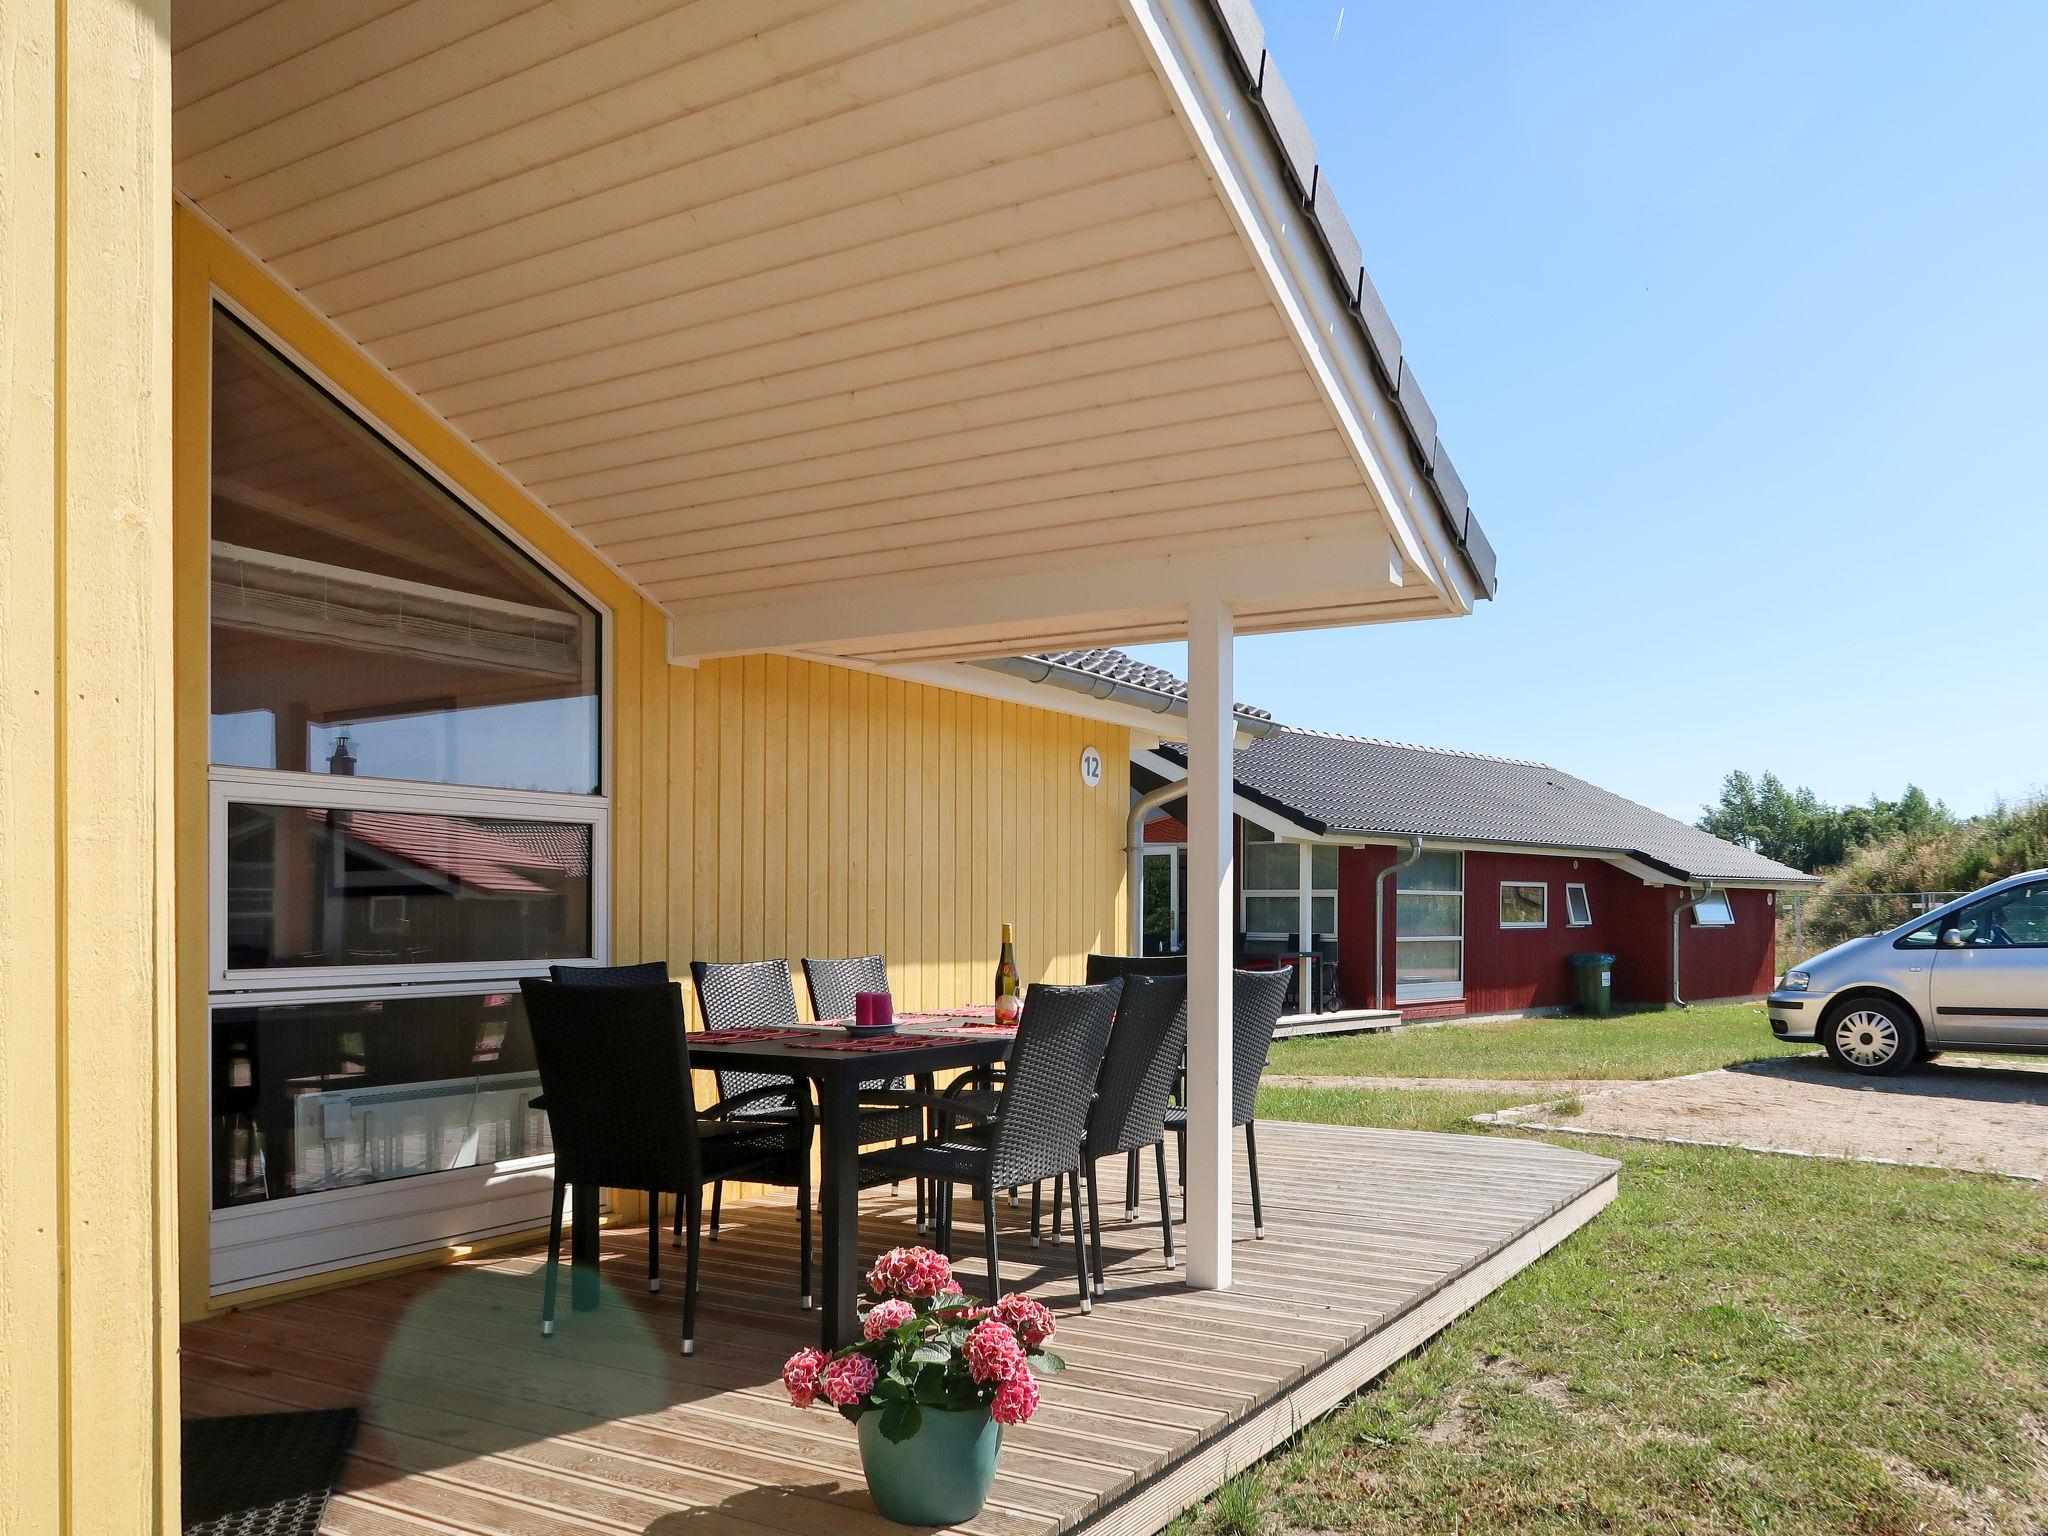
<point>1951,938</point>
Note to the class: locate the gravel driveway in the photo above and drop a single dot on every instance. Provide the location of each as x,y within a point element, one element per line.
<point>1983,1119</point>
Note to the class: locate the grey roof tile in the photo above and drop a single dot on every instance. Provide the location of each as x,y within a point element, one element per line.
<point>1358,785</point>
<point>1120,668</point>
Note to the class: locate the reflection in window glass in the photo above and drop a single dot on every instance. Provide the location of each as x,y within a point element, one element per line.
<point>1578,908</point>
<point>1714,912</point>
<point>313,1096</point>
<point>363,621</point>
<point>1435,871</point>
<point>314,886</point>
<point>1429,927</point>
<point>1430,963</point>
<point>1271,880</point>
<point>1524,906</point>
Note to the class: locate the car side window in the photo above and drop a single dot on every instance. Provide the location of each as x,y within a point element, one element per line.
<point>1926,936</point>
<point>2011,919</point>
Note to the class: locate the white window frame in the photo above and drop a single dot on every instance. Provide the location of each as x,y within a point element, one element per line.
<point>271,786</point>
<point>1727,901</point>
<point>1571,919</point>
<point>1432,991</point>
<point>265,1242</point>
<point>1175,855</point>
<point>1523,885</point>
<point>1304,881</point>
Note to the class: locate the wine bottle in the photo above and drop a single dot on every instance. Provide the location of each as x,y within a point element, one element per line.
<point>1009,990</point>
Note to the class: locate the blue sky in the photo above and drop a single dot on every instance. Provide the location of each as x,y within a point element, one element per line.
<point>1735,319</point>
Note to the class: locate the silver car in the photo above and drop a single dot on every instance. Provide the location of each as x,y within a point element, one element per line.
<point>1972,975</point>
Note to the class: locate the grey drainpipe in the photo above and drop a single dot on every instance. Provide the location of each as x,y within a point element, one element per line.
<point>1134,846</point>
<point>1677,913</point>
<point>1379,921</point>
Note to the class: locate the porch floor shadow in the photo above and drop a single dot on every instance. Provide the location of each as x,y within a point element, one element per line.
<point>473,1423</point>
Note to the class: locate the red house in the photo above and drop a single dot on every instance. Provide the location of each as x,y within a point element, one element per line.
<point>1443,883</point>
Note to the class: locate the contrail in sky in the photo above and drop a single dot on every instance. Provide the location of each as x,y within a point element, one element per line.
<point>1338,28</point>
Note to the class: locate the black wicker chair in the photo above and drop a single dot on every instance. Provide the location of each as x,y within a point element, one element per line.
<point>1103,968</point>
<point>1131,1096</point>
<point>1039,1122</point>
<point>1256,998</point>
<point>753,994</point>
<point>614,1067</point>
<point>833,984</point>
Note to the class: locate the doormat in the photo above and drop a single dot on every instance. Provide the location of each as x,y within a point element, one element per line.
<point>263,1474</point>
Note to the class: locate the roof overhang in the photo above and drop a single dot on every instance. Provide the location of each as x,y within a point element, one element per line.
<point>871,331</point>
<point>1287,821</point>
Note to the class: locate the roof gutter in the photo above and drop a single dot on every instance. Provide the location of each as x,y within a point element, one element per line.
<point>1032,669</point>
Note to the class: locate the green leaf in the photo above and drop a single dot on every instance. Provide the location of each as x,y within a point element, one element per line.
<point>931,1354</point>
<point>851,1412</point>
<point>1045,1360</point>
<point>901,1420</point>
<point>888,1389</point>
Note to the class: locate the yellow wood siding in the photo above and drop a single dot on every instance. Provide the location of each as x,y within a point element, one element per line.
<point>88,1375</point>
<point>944,816</point>
<point>761,805</point>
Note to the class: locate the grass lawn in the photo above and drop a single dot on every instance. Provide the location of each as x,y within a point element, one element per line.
<point>1741,1343</point>
<point>1659,1043</point>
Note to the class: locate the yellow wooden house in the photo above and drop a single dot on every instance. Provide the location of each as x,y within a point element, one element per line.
<point>487,485</point>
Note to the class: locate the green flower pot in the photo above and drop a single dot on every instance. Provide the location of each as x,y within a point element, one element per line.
<point>940,1475</point>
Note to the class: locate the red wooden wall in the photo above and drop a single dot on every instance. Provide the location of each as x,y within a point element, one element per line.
<point>1507,970</point>
<point>1511,969</point>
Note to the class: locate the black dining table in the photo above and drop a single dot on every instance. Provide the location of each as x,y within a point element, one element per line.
<point>914,1052</point>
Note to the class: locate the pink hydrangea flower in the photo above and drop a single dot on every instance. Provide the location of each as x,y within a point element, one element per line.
<point>1033,1324</point>
<point>1016,1399</point>
<point>912,1272</point>
<point>886,1317</point>
<point>800,1374</point>
<point>847,1380</point>
<point>993,1353</point>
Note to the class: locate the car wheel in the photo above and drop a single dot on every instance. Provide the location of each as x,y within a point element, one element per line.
<point>1873,1036</point>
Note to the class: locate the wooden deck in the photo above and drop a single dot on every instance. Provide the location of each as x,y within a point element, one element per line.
<point>473,1423</point>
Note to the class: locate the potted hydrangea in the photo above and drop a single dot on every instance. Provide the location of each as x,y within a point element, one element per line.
<point>933,1381</point>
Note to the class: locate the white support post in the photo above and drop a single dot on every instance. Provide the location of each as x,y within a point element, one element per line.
<point>1212,731</point>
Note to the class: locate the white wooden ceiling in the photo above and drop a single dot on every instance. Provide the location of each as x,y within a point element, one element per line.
<point>889,329</point>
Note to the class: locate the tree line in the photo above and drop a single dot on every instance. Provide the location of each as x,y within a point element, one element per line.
<point>1797,827</point>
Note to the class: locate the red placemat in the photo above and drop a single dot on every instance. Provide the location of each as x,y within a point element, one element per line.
<point>863,1043</point>
<point>746,1036</point>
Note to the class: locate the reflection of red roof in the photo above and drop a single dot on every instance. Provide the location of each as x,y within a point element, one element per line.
<point>472,854</point>
<point>565,845</point>
<point>1166,829</point>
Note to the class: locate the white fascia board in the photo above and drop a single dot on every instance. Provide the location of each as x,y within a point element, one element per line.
<point>1201,81</point>
<point>1258,815</point>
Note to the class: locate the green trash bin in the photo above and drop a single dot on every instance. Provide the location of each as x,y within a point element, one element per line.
<point>1593,982</point>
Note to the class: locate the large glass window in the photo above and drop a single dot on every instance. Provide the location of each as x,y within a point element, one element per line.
<point>1272,885</point>
<point>310,1096</point>
<point>406,815</point>
<point>366,623</point>
<point>316,886</point>
<point>1429,928</point>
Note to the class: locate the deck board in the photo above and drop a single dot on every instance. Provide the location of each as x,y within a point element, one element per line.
<point>474,1425</point>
